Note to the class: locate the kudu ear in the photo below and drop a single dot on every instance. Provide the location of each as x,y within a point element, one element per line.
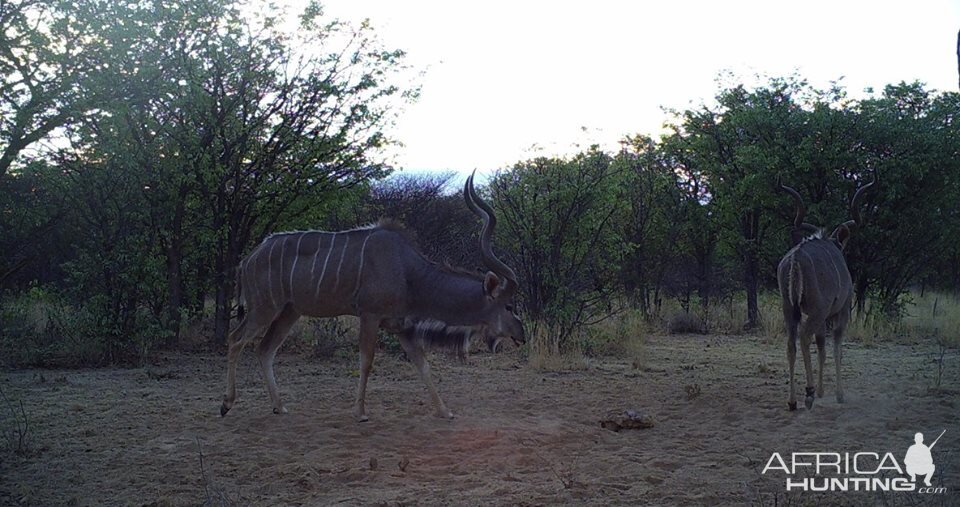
<point>492,285</point>
<point>841,235</point>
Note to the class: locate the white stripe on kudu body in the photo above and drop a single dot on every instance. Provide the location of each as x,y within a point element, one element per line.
<point>316,258</point>
<point>363,249</point>
<point>293,267</point>
<point>393,287</point>
<point>346,244</point>
<point>326,259</point>
<point>283,256</point>
<point>270,273</point>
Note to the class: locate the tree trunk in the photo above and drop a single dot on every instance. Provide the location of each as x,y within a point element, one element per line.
<point>174,289</point>
<point>751,283</point>
<point>198,289</point>
<point>750,224</point>
<point>223,287</point>
<point>860,293</point>
<point>228,257</point>
<point>703,282</point>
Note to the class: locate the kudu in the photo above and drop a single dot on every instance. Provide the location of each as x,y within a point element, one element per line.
<point>814,281</point>
<point>377,274</point>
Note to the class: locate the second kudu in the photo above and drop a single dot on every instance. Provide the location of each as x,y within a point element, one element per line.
<point>814,281</point>
<point>377,274</point>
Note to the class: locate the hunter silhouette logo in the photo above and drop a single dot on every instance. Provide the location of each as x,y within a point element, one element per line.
<point>862,470</point>
<point>919,460</point>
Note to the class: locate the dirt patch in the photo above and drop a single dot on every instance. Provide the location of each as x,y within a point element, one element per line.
<point>135,437</point>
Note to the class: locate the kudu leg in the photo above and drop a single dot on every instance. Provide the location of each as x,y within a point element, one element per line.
<point>267,352</point>
<point>792,361</point>
<point>807,332</point>
<point>237,341</point>
<point>821,357</point>
<point>838,358</point>
<point>415,354</point>
<point>368,345</point>
<point>791,325</point>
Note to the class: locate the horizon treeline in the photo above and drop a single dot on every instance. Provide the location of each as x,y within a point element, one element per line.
<point>146,147</point>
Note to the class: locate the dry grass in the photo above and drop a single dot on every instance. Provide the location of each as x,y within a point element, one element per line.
<point>933,318</point>
<point>544,355</point>
<point>935,315</point>
<point>623,336</point>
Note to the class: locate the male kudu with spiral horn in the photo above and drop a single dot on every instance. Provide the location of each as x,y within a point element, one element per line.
<point>814,281</point>
<point>377,274</point>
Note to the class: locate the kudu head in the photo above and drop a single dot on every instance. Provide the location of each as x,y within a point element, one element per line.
<point>500,282</point>
<point>841,234</point>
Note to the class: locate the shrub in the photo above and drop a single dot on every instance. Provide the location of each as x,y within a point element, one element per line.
<point>686,322</point>
<point>41,328</point>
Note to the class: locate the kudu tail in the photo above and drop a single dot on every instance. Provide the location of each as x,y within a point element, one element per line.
<point>241,310</point>
<point>794,283</point>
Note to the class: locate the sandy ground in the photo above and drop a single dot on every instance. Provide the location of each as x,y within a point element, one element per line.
<point>521,437</point>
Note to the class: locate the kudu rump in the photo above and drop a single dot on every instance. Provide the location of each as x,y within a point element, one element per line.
<point>814,281</point>
<point>377,274</point>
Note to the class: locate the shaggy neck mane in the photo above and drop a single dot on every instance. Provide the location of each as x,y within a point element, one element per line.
<point>816,235</point>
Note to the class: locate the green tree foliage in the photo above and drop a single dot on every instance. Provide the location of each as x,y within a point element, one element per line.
<point>432,209</point>
<point>738,148</point>
<point>909,137</point>
<point>29,214</point>
<point>220,127</point>
<point>46,58</point>
<point>558,227</point>
<point>145,147</point>
<point>670,235</point>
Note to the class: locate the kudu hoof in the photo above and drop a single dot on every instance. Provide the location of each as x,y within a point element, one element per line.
<point>224,409</point>
<point>792,405</point>
<point>280,411</point>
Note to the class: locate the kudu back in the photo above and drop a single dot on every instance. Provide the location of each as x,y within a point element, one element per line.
<point>814,281</point>
<point>377,274</point>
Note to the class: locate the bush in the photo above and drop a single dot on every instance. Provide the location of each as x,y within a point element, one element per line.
<point>41,328</point>
<point>557,230</point>
<point>686,322</point>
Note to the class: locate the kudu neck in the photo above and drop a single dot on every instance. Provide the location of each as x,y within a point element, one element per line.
<point>447,295</point>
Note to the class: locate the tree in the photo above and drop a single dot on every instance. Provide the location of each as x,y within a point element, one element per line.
<point>908,136</point>
<point>558,229</point>
<point>48,53</point>
<point>222,126</point>
<point>278,128</point>
<point>30,212</point>
<point>432,208</point>
<point>655,225</point>
<point>739,148</point>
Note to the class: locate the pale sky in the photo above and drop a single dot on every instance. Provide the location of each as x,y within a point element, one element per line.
<point>509,80</point>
